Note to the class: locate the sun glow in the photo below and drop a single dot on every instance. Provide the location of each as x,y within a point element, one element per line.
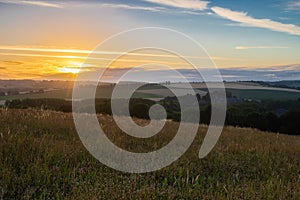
<point>72,67</point>
<point>69,70</point>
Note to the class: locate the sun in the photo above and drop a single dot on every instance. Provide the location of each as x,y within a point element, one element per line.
<point>71,67</point>
<point>69,70</point>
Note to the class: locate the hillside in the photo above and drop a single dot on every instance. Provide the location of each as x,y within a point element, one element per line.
<point>42,157</point>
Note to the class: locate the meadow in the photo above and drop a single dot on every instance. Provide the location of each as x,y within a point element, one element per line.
<point>42,157</point>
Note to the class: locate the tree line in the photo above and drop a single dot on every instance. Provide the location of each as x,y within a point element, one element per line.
<point>260,115</point>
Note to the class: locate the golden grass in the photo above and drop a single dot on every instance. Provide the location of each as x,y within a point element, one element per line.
<point>42,157</point>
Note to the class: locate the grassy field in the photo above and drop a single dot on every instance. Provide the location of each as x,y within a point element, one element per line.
<point>43,158</point>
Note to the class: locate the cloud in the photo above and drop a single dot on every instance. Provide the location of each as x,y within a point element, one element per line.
<point>188,12</point>
<point>188,4</point>
<point>293,5</point>
<point>73,52</point>
<point>12,62</point>
<point>131,7</point>
<point>42,55</point>
<point>260,47</point>
<point>87,4</point>
<point>44,49</point>
<point>270,73</point>
<point>34,3</point>
<point>245,20</point>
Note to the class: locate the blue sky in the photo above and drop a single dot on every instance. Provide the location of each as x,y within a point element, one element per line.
<point>240,35</point>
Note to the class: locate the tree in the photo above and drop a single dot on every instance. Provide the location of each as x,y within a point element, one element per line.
<point>272,122</point>
<point>290,122</point>
<point>140,110</point>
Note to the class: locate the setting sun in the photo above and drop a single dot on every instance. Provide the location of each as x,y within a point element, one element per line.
<point>72,67</point>
<point>69,70</point>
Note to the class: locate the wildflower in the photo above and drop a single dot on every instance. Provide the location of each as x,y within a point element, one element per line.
<point>82,169</point>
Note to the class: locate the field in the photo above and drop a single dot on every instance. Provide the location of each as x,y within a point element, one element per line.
<point>241,90</point>
<point>59,94</point>
<point>67,94</point>
<point>43,158</point>
<point>259,94</point>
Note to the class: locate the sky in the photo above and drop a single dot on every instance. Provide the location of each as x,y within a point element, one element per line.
<point>247,40</point>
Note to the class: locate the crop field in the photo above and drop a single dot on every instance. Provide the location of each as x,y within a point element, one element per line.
<point>43,158</point>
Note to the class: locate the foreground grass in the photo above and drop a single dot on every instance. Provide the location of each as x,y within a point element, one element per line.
<point>43,158</point>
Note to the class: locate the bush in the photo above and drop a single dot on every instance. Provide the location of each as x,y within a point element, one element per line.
<point>140,110</point>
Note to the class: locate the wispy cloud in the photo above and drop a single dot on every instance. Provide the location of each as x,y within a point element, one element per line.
<point>83,4</point>
<point>132,7</point>
<point>188,12</point>
<point>13,62</point>
<point>293,5</point>
<point>270,73</point>
<point>45,49</point>
<point>34,3</point>
<point>260,47</point>
<point>188,4</point>
<point>245,20</point>
<point>89,4</point>
<point>74,52</point>
<point>42,55</point>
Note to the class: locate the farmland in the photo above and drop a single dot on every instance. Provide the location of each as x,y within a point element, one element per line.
<point>265,94</point>
<point>243,90</point>
<point>66,94</point>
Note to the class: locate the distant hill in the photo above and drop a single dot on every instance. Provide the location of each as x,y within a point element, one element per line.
<point>291,84</point>
<point>23,89</point>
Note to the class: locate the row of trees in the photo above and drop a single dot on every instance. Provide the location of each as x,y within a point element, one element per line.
<point>246,114</point>
<point>266,121</point>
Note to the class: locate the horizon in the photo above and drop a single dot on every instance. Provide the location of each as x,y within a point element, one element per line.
<point>224,81</point>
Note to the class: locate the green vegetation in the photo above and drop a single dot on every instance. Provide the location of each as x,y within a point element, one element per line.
<point>291,84</point>
<point>261,115</point>
<point>142,95</point>
<point>43,158</point>
<point>57,94</point>
<point>138,107</point>
<point>159,91</point>
<point>67,94</point>
<point>264,94</point>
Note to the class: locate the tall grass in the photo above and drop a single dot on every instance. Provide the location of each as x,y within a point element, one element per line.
<point>43,158</point>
